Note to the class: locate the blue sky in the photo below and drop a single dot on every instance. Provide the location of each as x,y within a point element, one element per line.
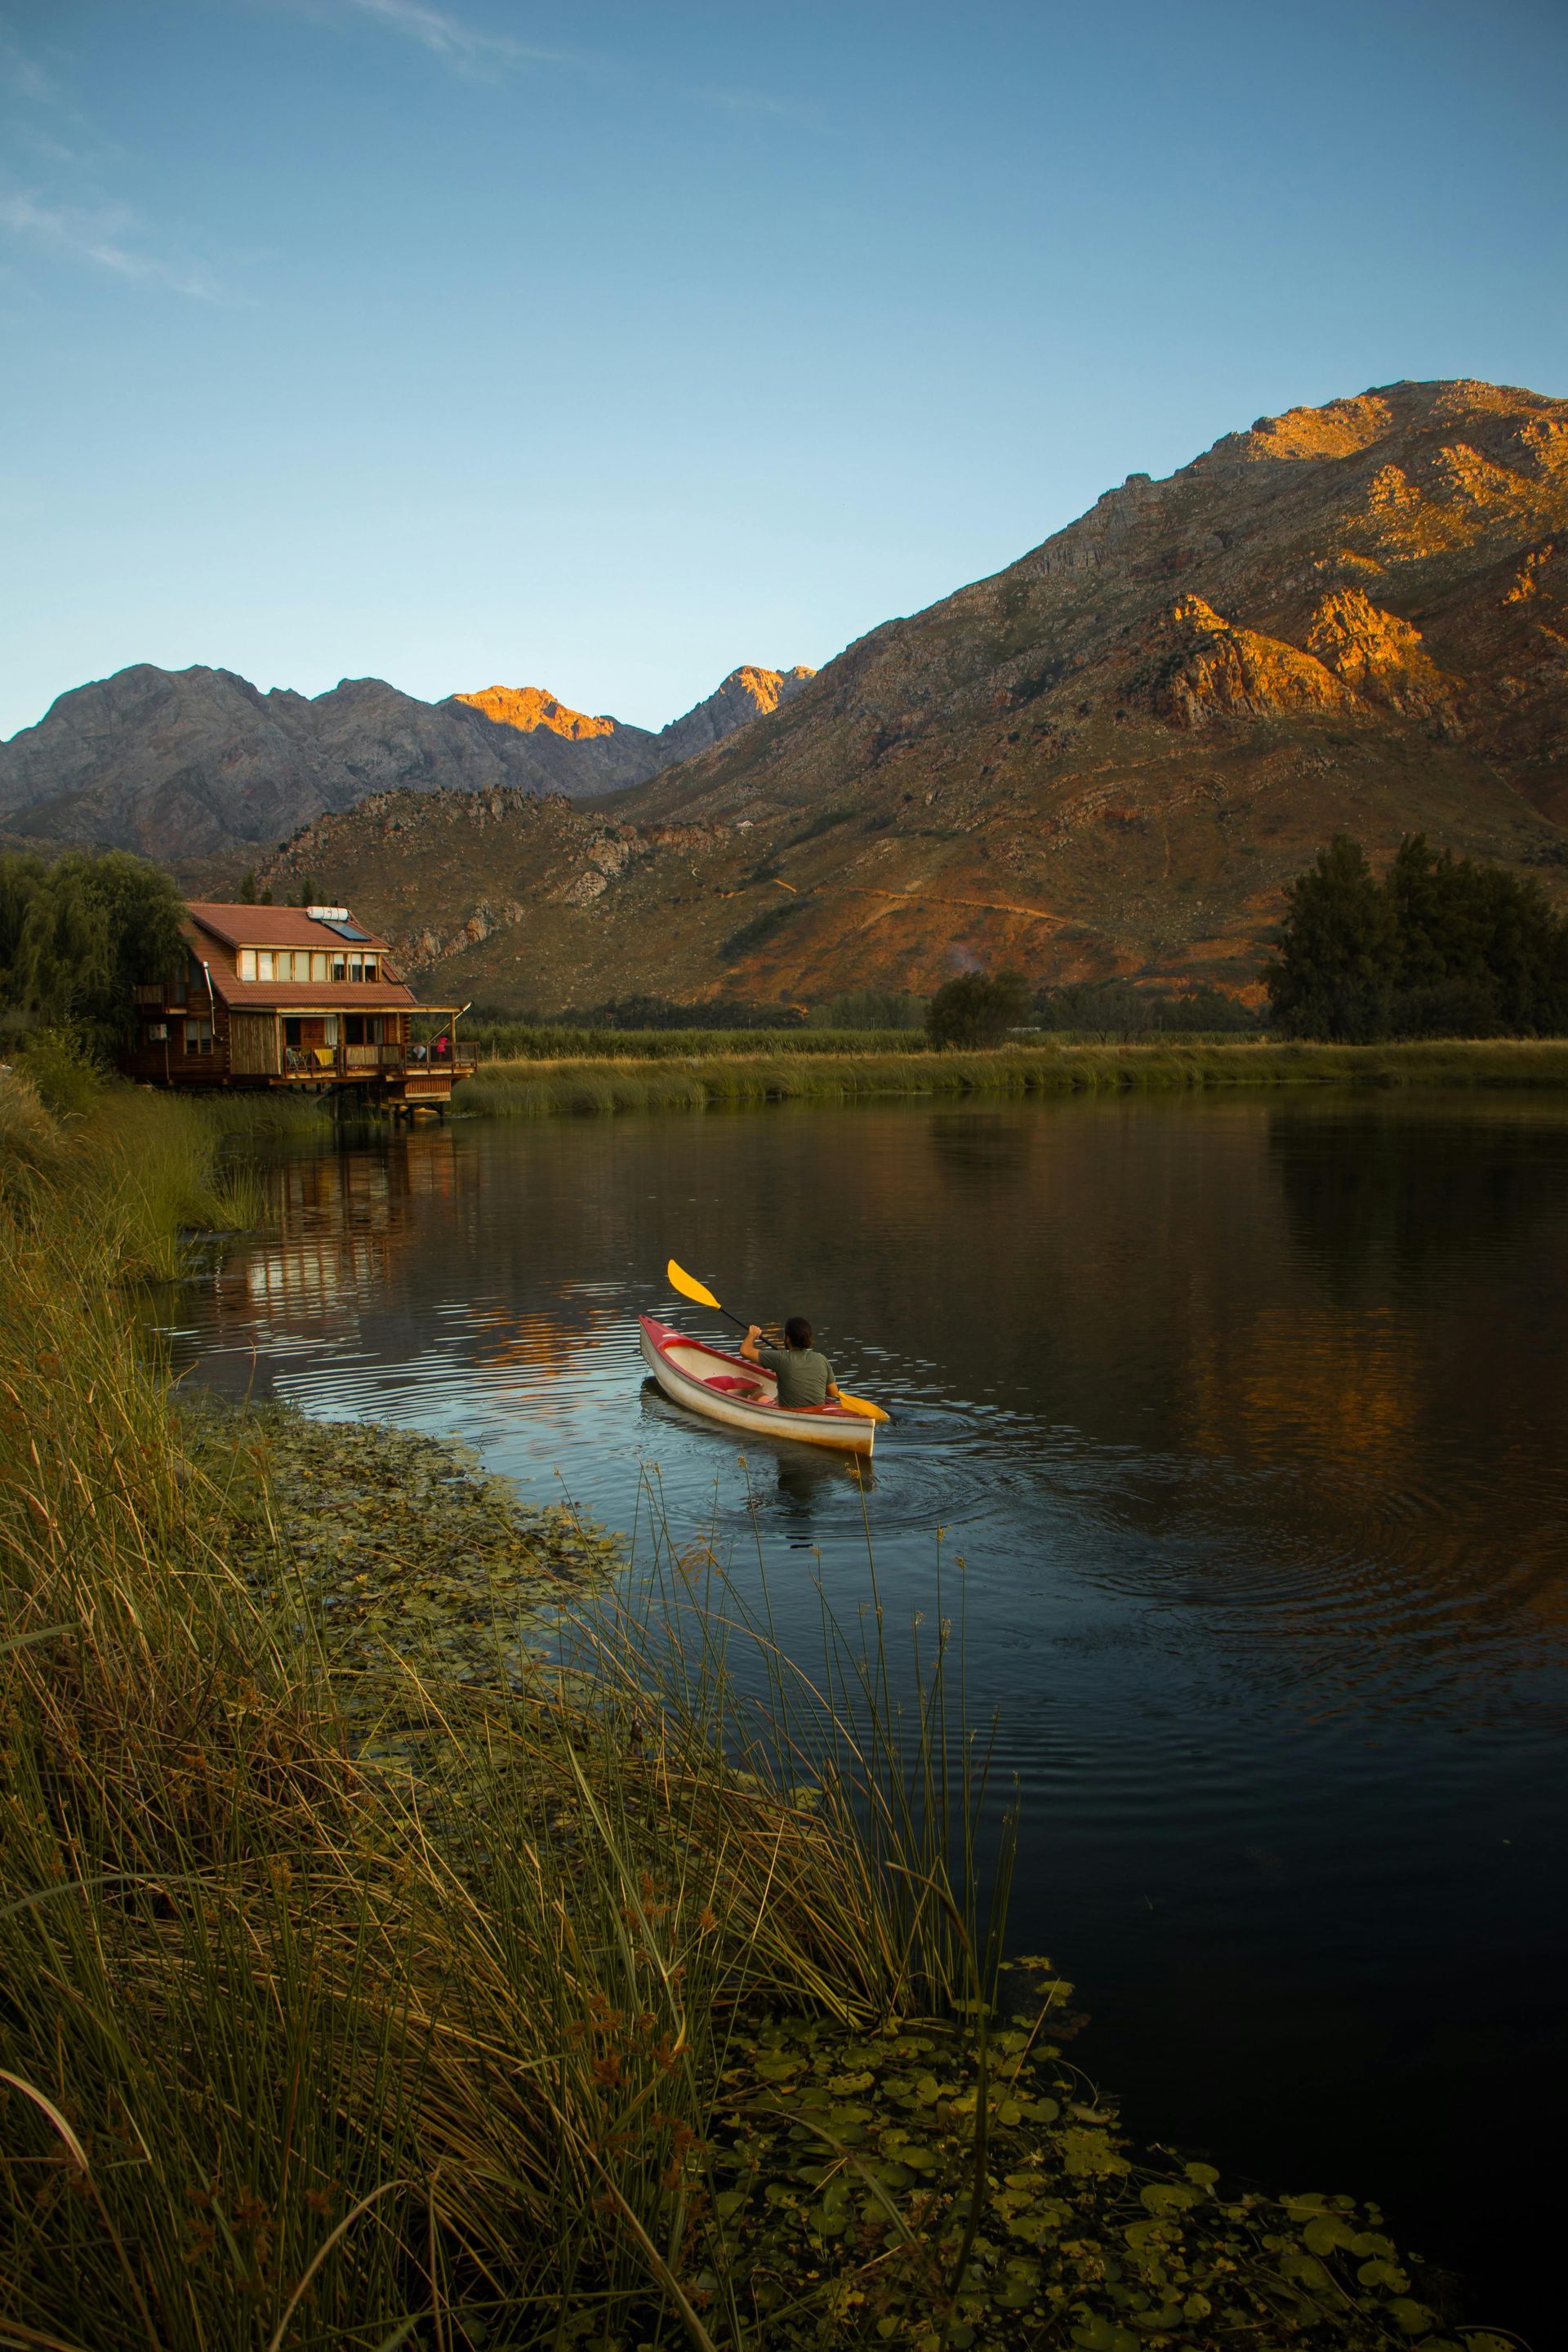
<point>604,347</point>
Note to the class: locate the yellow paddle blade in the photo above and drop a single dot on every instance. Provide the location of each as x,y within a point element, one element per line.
<point>678,1279</point>
<point>699,1293</point>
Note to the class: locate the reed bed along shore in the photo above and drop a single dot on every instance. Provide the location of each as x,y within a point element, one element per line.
<point>536,1088</point>
<point>365,1991</point>
<point>141,1171</point>
<point>515,1041</point>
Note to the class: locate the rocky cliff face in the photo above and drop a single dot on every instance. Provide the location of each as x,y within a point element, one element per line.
<point>1108,757</point>
<point>194,766</point>
<point>528,706</point>
<point>746,694</point>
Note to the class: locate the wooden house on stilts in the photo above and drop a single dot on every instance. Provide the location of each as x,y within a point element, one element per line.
<point>299,997</point>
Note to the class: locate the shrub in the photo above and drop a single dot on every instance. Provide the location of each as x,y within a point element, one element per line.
<point>977,1009</point>
<point>68,1079</point>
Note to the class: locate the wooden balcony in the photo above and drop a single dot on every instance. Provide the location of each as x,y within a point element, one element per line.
<point>319,1063</point>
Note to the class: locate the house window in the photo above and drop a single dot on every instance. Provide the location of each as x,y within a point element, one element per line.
<point>199,1036</point>
<point>339,968</point>
<point>263,964</point>
<point>317,964</point>
<point>370,967</point>
<point>247,964</point>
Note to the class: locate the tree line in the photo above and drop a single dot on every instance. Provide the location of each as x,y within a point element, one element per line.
<point>1440,947</point>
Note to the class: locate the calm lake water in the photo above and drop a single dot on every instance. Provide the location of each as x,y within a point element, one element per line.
<point>1248,1418</point>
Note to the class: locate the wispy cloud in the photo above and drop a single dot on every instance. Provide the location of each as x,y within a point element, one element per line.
<point>456,42</point>
<point>469,48</point>
<point>105,237</point>
<point>67,211</point>
<point>22,74</point>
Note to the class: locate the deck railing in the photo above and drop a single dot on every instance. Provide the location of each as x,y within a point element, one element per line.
<point>370,1061</point>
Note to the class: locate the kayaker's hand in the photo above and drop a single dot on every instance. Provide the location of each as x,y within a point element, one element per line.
<point>754,1334</point>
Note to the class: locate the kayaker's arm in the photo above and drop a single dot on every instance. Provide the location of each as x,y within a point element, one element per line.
<point>749,1344</point>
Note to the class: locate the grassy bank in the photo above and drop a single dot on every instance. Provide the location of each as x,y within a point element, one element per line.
<point>369,1980</point>
<point>517,1041</point>
<point>533,1089</point>
<point>141,1171</point>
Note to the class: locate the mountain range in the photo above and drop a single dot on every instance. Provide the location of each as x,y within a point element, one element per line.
<point>187,766</point>
<point>1108,757</point>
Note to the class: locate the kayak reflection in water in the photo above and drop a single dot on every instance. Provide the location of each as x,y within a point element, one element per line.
<point>804,1374</point>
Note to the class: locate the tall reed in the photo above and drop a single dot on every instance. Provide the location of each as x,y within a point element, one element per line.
<point>346,2011</point>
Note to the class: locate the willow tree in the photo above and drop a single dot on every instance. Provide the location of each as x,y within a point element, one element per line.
<point>77,934</point>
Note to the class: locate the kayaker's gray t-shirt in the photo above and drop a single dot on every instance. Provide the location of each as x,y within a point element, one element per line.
<point>804,1374</point>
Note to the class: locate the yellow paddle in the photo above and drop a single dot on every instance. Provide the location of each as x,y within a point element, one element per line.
<point>690,1288</point>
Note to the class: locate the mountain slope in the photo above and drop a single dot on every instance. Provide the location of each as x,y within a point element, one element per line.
<point>189,765</point>
<point>1108,757</point>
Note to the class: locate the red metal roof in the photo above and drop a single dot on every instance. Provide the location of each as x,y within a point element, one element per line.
<point>275,927</point>
<point>313,996</point>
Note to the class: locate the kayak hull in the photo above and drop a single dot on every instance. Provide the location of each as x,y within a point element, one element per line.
<point>687,1371</point>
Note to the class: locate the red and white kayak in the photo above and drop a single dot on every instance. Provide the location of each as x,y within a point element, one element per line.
<point>726,1387</point>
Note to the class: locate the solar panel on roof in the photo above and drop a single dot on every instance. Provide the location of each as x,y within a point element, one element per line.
<point>346,931</point>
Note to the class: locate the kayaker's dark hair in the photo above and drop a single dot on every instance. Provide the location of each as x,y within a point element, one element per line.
<point>797,1331</point>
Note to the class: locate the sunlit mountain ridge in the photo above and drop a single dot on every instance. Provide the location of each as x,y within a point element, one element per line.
<point>1109,758</point>
<point>193,766</point>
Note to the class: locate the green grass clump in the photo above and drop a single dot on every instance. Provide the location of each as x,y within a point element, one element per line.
<point>134,1170</point>
<point>31,1141</point>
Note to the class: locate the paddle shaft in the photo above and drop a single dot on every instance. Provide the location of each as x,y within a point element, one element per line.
<point>740,1321</point>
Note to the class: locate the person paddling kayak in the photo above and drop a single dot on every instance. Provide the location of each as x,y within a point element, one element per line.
<point>804,1374</point>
